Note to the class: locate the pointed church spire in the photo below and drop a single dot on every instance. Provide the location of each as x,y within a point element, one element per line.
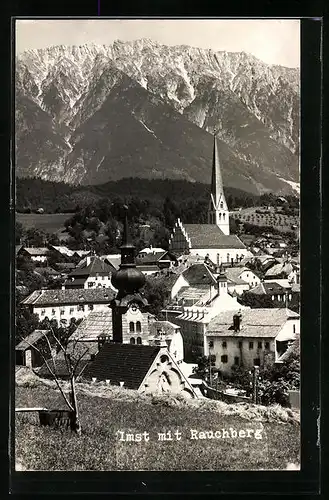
<point>216,178</point>
<point>218,212</point>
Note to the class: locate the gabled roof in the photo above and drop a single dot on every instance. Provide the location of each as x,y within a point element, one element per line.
<point>96,266</point>
<point>265,288</point>
<point>189,295</point>
<point>31,339</point>
<point>97,323</point>
<point>254,322</point>
<point>233,274</point>
<point>36,251</point>
<point>199,274</point>
<point>122,363</point>
<point>70,296</point>
<point>280,268</point>
<point>112,259</point>
<point>211,236</point>
<point>63,250</point>
<point>150,257</point>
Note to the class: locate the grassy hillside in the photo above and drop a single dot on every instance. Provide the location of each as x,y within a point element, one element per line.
<point>99,447</point>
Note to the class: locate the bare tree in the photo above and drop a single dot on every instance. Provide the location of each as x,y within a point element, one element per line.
<point>72,361</point>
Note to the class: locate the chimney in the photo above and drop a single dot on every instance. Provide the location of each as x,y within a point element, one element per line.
<point>122,384</point>
<point>237,321</point>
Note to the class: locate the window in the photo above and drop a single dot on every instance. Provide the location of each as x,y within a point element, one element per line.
<point>260,345</point>
<point>223,216</point>
<point>62,312</point>
<point>53,312</point>
<point>90,307</point>
<point>289,296</point>
<point>294,328</point>
<point>103,277</point>
<point>131,327</point>
<point>267,345</point>
<point>43,311</point>
<point>211,344</point>
<point>132,340</point>
<point>272,297</point>
<point>251,345</point>
<point>257,362</point>
<point>224,344</point>
<point>138,327</point>
<point>81,307</point>
<point>236,360</point>
<point>91,284</point>
<point>279,298</point>
<point>224,358</point>
<point>228,257</point>
<point>139,340</point>
<point>71,310</point>
<point>240,344</point>
<point>221,204</point>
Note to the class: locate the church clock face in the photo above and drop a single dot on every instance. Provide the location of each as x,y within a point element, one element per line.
<point>133,308</point>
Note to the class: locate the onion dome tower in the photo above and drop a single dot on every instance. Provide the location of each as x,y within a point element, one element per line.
<point>128,280</point>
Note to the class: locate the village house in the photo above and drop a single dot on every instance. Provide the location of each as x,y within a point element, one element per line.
<point>212,239</point>
<point>27,350</point>
<point>38,255</point>
<point>158,257</point>
<point>194,306</point>
<point>244,338</point>
<point>240,279</point>
<point>274,290</point>
<point>65,253</point>
<point>93,272</point>
<point>170,333</point>
<point>63,305</point>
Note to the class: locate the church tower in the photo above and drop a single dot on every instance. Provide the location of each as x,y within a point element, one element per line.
<point>218,211</point>
<point>129,308</point>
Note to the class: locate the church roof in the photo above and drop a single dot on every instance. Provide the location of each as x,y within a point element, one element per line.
<point>211,236</point>
<point>122,363</point>
<point>216,178</point>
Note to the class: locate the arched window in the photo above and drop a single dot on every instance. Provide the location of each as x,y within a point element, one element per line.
<point>221,204</point>
<point>132,340</point>
<point>139,340</point>
<point>228,257</point>
<point>224,216</point>
<point>138,327</point>
<point>131,327</point>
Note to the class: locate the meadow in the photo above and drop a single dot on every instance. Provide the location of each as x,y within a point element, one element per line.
<point>106,419</point>
<point>50,223</point>
<point>277,220</point>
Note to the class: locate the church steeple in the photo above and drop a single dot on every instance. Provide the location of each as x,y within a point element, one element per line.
<point>218,211</point>
<point>129,305</point>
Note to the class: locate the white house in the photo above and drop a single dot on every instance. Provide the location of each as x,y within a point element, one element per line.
<point>63,305</point>
<point>244,337</point>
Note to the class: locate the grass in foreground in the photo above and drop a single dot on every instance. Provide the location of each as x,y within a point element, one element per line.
<point>99,447</point>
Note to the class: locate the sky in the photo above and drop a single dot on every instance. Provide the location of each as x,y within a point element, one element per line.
<point>271,40</point>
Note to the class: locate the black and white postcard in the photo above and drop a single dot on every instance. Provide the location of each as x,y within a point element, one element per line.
<point>157,233</point>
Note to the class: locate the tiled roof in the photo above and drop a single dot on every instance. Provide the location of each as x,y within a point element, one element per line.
<point>96,323</point>
<point>271,288</point>
<point>31,339</point>
<point>96,266</point>
<point>278,269</point>
<point>36,251</point>
<point>210,236</point>
<point>254,322</point>
<point>189,295</point>
<point>112,259</point>
<point>233,274</point>
<point>149,258</point>
<point>70,296</point>
<point>199,274</point>
<point>64,250</point>
<point>122,363</point>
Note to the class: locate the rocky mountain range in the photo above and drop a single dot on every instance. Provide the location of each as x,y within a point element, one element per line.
<point>89,114</point>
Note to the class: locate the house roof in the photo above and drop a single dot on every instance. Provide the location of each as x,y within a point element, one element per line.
<point>150,267</point>
<point>190,294</point>
<point>95,324</point>
<point>265,288</point>
<point>233,274</point>
<point>112,259</point>
<point>46,270</point>
<point>293,349</point>
<point>70,296</point>
<point>96,266</point>
<point>31,339</point>
<point>36,251</point>
<point>211,236</point>
<point>254,322</point>
<point>149,258</point>
<point>122,363</point>
<point>63,250</point>
<point>199,274</point>
<point>279,268</point>
<point>59,367</point>
<point>17,248</point>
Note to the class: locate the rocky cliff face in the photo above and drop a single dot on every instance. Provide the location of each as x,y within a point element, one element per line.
<point>90,114</point>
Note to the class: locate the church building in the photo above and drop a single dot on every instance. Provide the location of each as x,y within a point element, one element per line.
<point>213,239</point>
